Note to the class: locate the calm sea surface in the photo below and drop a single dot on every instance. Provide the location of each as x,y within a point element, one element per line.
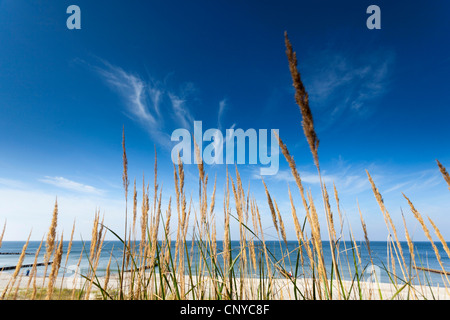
<point>424,252</point>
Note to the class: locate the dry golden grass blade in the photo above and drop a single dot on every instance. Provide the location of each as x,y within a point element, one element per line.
<point>239,193</point>
<point>202,182</point>
<point>6,289</point>
<point>412,256</point>
<point>19,263</point>
<point>280,221</point>
<point>100,233</point>
<point>295,173</point>
<point>94,237</point>
<point>440,236</point>
<point>33,268</point>
<point>69,249</point>
<point>74,281</point>
<point>237,202</point>
<point>143,228</point>
<point>271,207</point>
<point>213,240</point>
<point>300,236</point>
<point>108,273</point>
<point>213,221</point>
<point>394,273</point>
<point>125,165</point>
<point>155,182</point>
<point>266,255</point>
<point>226,232</point>
<point>199,161</point>
<point>314,223</point>
<point>366,235</point>
<point>134,206</point>
<point>242,231</point>
<point>144,219</point>
<point>336,197</point>
<point>167,226</point>
<point>240,206</point>
<point>331,229</point>
<point>317,241</point>
<point>301,97</point>
<point>213,197</point>
<point>182,228</point>
<point>155,230</point>
<point>50,242</point>
<point>177,191</point>
<point>389,222</point>
<point>254,219</point>
<point>16,291</point>
<point>3,233</point>
<point>55,268</point>
<point>125,186</point>
<point>167,239</point>
<point>253,255</point>
<point>408,240</point>
<point>178,202</point>
<point>302,242</point>
<point>444,173</point>
<point>419,218</point>
<point>329,213</point>
<point>96,259</point>
<point>181,190</point>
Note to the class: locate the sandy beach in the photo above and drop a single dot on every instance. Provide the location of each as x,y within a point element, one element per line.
<point>284,289</point>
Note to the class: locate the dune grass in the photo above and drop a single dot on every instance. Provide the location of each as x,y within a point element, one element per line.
<point>151,268</point>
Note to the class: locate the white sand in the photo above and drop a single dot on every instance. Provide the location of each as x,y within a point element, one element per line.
<point>284,288</point>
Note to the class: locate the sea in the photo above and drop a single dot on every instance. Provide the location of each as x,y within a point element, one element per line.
<point>287,258</point>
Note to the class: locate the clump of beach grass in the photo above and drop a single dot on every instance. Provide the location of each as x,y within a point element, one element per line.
<point>150,267</point>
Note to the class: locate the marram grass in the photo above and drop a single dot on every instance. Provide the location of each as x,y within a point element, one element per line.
<point>151,268</point>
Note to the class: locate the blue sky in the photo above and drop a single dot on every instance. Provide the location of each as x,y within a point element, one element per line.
<point>379,100</point>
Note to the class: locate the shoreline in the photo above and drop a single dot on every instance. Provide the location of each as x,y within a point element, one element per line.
<point>283,289</point>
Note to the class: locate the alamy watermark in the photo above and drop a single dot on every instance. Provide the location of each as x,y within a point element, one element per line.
<point>228,149</point>
<point>74,20</point>
<point>374,20</point>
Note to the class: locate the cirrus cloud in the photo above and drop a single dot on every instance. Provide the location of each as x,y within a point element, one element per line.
<point>67,184</point>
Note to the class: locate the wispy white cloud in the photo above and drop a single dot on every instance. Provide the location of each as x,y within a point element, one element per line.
<point>12,184</point>
<point>222,107</point>
<point>148,102</point>
<point>181,113</point>
<point>135,91</point>
<point>67,184</point>
<point>352,180</point>
<point>339,82</point>
<point>348,183</point>
<point>425,179</point>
